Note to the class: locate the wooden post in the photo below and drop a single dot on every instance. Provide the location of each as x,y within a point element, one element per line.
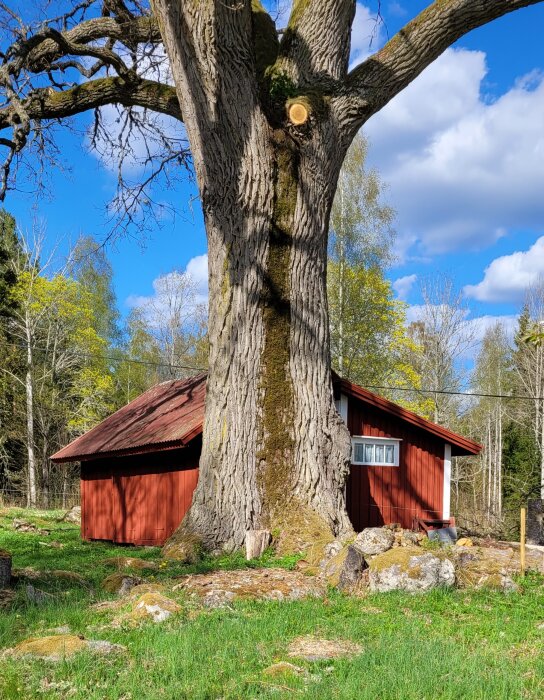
<point>256,542</point>
<point>522,541</point>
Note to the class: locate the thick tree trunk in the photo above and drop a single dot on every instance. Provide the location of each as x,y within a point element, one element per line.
<point>275,452</point>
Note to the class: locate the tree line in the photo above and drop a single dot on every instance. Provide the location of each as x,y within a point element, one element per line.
<point>67,359</point>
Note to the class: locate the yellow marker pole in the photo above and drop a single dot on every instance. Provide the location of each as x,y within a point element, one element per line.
<point>522,542</point>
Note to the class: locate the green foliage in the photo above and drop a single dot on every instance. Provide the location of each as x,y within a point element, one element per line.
<point>8,248</point>
<point>92,269</point>
<point>369,343</point>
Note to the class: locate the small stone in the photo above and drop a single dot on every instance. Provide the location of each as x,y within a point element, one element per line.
<point>464,542</point>
<point>24,526</point>
<point>121,583</point>
<point>374,540</point>
<point>409,538</point>
<point>313,649</point>
<point>73,515</point>
<point>37,596</point>
<point>130,563</point>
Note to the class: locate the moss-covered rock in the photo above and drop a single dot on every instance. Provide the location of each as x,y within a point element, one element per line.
<point>130,563</point>
<point>142,588</point>
<point>153,606</point>
<point>485,567</point>
<point>219,588</point>
<point>410,569</point>
<point>61,646</point>
<point>121,583</point>
<point>374,540</point>
<point>184,547</point>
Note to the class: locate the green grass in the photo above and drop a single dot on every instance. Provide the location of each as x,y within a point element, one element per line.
<point>445,645</point>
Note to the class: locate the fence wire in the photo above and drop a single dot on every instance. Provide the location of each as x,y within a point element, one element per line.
<point>53,500</point>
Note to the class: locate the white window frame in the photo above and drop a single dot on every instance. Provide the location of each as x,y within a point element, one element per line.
<point>369,440</point>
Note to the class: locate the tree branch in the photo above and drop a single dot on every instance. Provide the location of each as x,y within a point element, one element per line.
<point>382,76</point>
<point>51,104</point>
<point>140,30</point>
<point>313,46</point>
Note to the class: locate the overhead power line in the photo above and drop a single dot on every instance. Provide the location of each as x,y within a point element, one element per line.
<point>151,363</point>
<point>457,393</point>
<point>114,358</point>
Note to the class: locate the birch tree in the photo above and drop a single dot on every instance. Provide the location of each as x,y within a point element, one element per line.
<point>445,335</point>
<point>269,116</point>
<point>493,376</point>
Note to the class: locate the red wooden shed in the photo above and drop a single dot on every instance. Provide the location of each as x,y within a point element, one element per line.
<point>139,467</point>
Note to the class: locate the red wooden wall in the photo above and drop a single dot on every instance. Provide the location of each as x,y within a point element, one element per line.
<point>140,499</point>
<point>382,495</point>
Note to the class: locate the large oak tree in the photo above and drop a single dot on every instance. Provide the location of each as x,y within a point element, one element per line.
<point>269,116</point>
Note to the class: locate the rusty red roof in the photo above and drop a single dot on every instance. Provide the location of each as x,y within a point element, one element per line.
<point>171,414</point>
<point>462,446</point>
<point>167,416</point>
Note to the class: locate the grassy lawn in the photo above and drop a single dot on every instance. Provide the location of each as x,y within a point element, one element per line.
<point>441,646</point>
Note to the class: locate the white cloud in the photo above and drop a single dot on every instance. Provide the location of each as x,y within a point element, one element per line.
<point>197,268</point>
<point>507,278</point>
<point>403,285</point>
<point>366,34</point>
<point>461,170</point>
<point>178,289</point>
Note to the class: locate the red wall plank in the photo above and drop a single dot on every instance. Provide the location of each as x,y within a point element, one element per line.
<point>138,500</point>
<point>381,495</point>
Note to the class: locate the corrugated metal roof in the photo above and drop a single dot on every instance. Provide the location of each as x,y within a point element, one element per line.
<point>462,446</point>
<point>171,414</point>
<point>166,416</point>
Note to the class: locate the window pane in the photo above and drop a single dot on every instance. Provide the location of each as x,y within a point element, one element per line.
<point>389,454</point>
<point>369,454</point>
<point>359,455</point>
<point>379,454</point>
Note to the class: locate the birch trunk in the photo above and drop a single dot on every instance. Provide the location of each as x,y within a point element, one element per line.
<point>29,394</point>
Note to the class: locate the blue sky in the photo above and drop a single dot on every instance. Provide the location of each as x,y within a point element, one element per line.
<point>461,152</point>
